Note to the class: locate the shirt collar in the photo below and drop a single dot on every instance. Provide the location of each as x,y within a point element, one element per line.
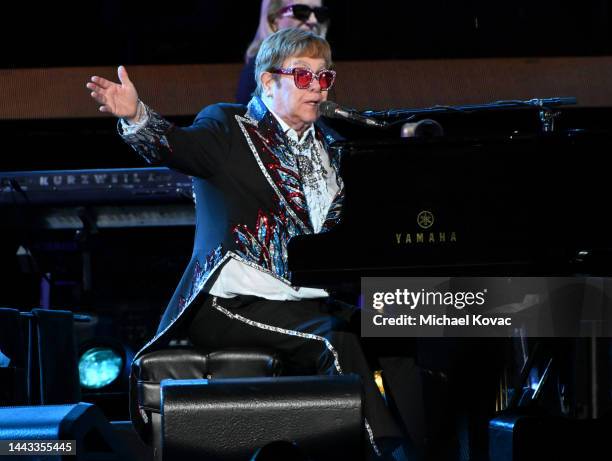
<point>290,132</point>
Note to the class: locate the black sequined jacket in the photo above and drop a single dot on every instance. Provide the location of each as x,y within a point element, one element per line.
<point>248,197</point>
<point>247,189</point>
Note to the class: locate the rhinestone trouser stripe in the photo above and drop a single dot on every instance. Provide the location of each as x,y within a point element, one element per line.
<point>263,326</point>
<point>299,334</point>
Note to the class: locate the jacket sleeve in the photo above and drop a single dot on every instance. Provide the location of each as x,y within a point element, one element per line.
<point>197,150</point>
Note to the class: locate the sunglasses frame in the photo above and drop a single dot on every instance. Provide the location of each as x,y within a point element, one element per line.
<point>317,75</point>
<point>287,11</point>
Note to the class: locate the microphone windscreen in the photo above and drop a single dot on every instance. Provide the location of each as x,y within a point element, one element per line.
<point>328,109</point>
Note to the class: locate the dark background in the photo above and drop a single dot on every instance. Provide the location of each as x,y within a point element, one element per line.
<point>109,32</point>
<point>134,271</point>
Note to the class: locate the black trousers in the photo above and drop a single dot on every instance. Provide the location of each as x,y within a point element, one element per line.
<point>314,336</point>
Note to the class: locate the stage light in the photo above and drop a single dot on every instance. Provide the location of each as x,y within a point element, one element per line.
<point>378,379</point>
<point>104,370</point>
<point>4,360</point>
<point>100,367</point>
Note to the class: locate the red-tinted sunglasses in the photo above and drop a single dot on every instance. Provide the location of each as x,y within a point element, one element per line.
<point>303,12</point>
<point>303,77</point>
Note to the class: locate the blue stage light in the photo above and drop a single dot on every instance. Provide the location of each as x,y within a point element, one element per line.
<point>4,360</point>
<point>99,367</point>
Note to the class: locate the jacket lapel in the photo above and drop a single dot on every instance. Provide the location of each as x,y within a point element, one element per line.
<point>278,164</point>
<point>276,161</point>
<point>327,136</point>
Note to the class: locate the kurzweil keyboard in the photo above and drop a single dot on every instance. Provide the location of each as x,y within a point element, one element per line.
<point>112,197</point>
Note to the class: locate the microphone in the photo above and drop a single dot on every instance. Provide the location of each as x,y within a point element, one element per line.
<point>332,110</point>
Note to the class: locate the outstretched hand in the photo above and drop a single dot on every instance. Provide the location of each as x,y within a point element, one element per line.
<point>119,99</point>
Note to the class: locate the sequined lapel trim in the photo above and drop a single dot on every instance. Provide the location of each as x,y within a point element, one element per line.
<point>334,214</point>
<point>335,208</point>
<point>302,222</point>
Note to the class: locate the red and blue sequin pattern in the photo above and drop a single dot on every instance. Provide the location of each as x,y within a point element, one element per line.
<point>279,163</point>
<point>266,245</point>
<point>200,275</point>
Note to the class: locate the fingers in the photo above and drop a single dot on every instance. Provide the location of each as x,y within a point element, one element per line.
<point>97,92</point>
<point>102,82</point>
<point>98,97</point>
<point>123,75</point>
<point>96,88</point>
<point>111,95</point>
<point>105,108</point>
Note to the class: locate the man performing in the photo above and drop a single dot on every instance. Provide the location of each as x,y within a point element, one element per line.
<point>262,174</point>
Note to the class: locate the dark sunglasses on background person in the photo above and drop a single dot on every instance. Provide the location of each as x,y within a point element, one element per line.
<point>303,12</point>
<point>303,77</point>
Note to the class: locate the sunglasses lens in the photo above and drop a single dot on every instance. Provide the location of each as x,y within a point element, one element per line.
<point>302,78</point>
<point>301,12</point>
<point>322,13</point>
<point>326,79</point>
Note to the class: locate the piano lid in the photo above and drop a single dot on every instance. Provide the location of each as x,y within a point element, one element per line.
<point>450,204</point>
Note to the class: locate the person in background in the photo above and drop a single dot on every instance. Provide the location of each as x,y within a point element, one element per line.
<point>276,15</point>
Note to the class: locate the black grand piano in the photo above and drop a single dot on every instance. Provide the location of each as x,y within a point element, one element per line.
<point>501,193</point>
